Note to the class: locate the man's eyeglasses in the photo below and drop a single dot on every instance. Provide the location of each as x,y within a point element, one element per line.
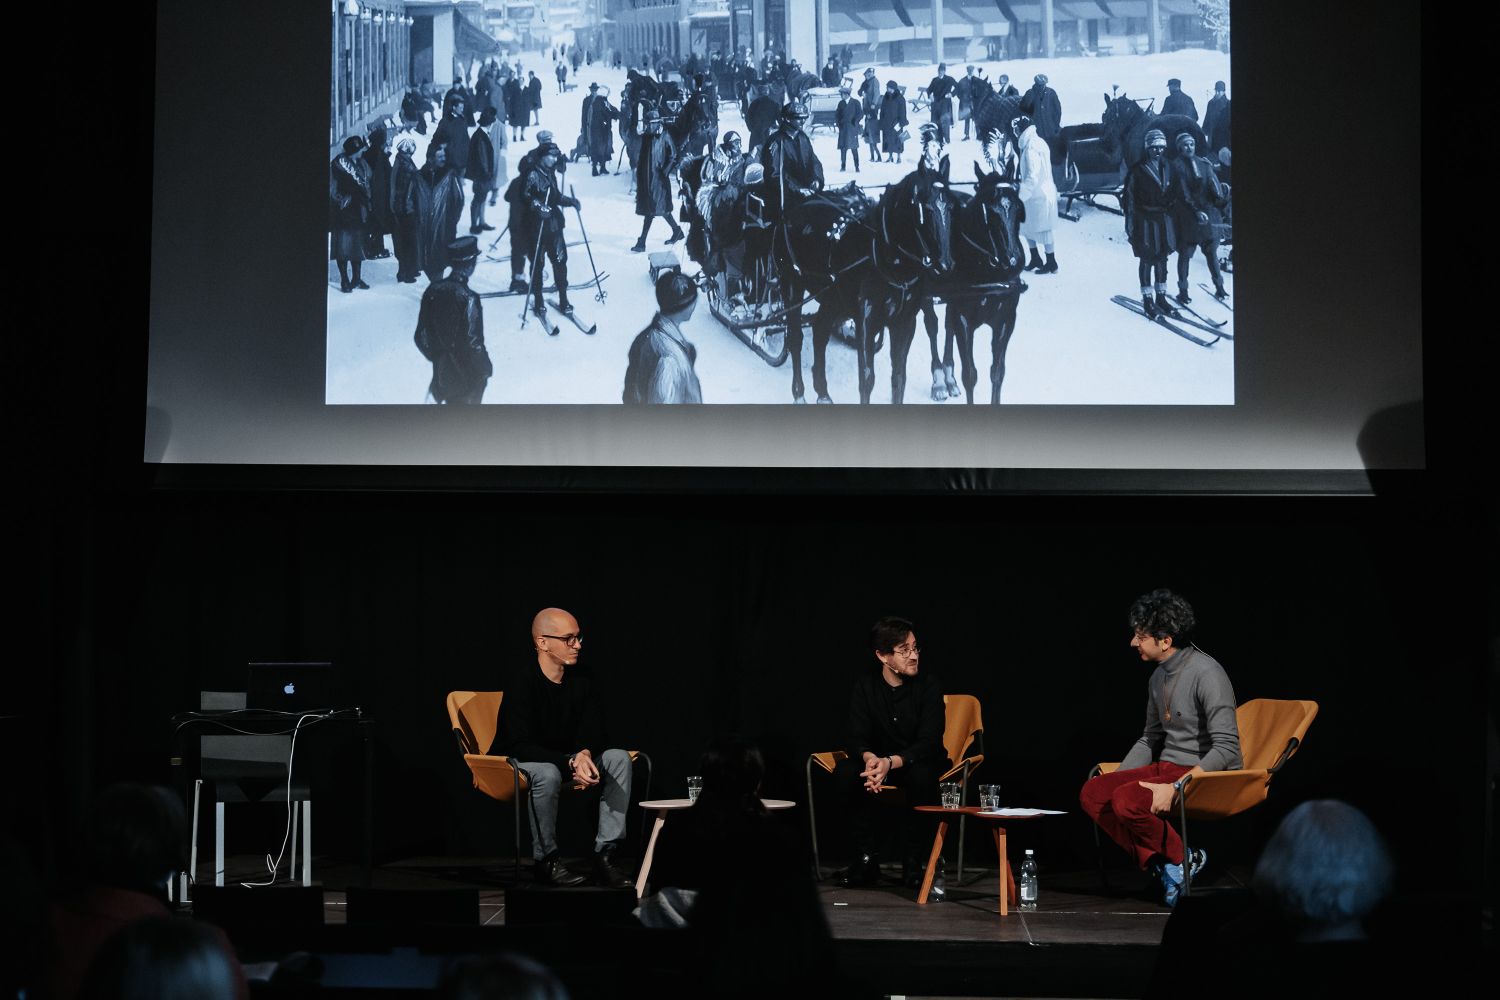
<point>575,640</point>
<point>907,651</point>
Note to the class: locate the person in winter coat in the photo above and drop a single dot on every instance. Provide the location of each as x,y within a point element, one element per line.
<point>940,91</point>
<point>515,109</point>
<point>349,212</point>
<point>1178,103</point>
<point>1149,201</point>
<point>1042,106</point>
<point>660,365</point>
<point>543,222</point>
<point>1199,197</point>
<point>453,132</point>
<point>869,95</point>
<point>892,122</point>
<point>598,131</point>
<point>1216,121</point>
<point>450,330</point>
<point>849,116</point>
<point>654,165</point>
<point>377,162</point>
<point>792,169</point>
<point>970,91</point>
<point>446,195</point>
<point>562,77</point>
<point>410,200</point>
<point>481,172</point>
<point>534,97</point>
<point>1004,88</point>
<point>1038,193</point>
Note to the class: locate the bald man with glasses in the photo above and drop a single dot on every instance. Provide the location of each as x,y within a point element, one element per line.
<point>894,739</point>
<point>551,722</point>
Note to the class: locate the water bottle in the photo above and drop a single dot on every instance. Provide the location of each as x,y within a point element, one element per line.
<point>939,890</point>
<point>1028,881</point>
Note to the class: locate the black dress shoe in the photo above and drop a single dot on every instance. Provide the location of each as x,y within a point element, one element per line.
<point>864,872</point>
<point>554,872</point>
<point>608,874</point>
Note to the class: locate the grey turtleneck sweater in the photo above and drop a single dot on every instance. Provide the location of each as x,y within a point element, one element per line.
<point>1202,730</point>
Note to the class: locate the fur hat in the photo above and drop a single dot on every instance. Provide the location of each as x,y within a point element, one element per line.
<point>1183,138</point>
<point>1156,137</point>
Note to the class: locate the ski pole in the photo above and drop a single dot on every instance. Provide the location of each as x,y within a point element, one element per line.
<point>601,294</point>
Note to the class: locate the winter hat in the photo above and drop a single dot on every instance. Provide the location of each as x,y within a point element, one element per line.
<point>543,137</point>
<point>1183,138</point>
<point>675,291</point>
<point>1156,137</point>
<point>462,249</point>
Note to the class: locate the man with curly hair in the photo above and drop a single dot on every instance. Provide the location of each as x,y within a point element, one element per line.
<point>1190,728</point>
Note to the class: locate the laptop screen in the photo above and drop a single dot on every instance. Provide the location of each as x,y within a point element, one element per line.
<point>293,687</point>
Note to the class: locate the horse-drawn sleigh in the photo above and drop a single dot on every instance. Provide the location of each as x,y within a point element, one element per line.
<point>875,264</point>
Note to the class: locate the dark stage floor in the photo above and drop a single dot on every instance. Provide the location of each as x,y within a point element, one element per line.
<point>1083,940</point>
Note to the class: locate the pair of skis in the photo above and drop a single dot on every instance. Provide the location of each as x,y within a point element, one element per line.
<point>1180,325</point>
<point>571,317</point>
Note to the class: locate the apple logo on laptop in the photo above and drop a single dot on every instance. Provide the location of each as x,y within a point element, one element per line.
<point>290,688</point>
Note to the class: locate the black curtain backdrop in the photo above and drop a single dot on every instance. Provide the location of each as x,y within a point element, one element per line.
<point>708,615</point>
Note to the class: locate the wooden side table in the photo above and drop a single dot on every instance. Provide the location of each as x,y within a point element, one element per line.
<point>946,816</point>
<point>660,809</point>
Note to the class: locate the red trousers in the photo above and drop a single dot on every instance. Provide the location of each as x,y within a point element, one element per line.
<point>1122,808</point>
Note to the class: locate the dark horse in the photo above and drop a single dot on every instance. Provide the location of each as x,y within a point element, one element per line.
<point>691,124</point>
<point>986,287</point>
<point>1126,124</point>
<point>862,261</point>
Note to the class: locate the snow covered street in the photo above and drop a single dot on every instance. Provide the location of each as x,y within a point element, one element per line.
<point>1072,345</point>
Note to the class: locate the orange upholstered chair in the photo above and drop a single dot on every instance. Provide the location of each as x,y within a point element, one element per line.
<point>473,716</point>
<point>1271,732</point>
<point>963,739</point>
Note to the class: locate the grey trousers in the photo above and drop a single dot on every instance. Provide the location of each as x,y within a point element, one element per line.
<point>547,783</point>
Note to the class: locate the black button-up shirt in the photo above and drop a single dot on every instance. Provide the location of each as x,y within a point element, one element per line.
<point>906,720</point>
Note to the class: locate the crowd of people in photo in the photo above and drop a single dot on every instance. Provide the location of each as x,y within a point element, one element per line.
<point>1174,202</point>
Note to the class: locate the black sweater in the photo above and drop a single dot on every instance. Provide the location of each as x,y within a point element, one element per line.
<point>906,720</point>
<point>547,722</point>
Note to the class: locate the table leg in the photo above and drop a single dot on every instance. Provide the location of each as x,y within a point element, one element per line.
<point>1007,884</point>
<point>932,860</point>
<point>656,825</point>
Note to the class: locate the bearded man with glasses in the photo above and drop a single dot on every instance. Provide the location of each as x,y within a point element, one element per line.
<point>551,723</point>
<point>895,739</point>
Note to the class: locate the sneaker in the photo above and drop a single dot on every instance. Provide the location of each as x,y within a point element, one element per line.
<point>1171,883</point>
<point>1196,860</point>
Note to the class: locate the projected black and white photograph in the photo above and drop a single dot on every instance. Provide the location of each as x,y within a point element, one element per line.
<point>780,201</point>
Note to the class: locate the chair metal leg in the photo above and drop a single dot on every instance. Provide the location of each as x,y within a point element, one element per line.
<point>191,877</point>
<point>296,811</point>
<point>515,774</point>
<point>812,823</point>
<point>1187,852</point>
<point>218,843</point>
<point>307,842</point>
<point>963,794</point>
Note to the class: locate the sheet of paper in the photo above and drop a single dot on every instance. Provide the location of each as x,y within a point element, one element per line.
<point>1019,811</point>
